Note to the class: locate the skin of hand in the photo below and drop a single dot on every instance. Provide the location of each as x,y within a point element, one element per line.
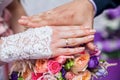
<point>77,12</point>
<point>16,11</point>
<point>75,36</point>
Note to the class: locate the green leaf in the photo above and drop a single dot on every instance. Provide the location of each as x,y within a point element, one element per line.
<point>20,78</point>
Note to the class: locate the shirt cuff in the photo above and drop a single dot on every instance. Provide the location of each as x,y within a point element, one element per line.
<point>94,5</point>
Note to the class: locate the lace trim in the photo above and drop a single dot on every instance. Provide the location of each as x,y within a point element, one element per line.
<point>31,44</point>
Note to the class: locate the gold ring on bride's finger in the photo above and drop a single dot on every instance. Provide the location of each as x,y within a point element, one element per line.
<point>67,44</point>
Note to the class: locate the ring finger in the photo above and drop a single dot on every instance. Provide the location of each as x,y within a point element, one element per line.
<point>71,42</point>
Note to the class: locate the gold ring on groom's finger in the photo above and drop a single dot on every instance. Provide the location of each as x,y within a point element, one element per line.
<point>67,43</point>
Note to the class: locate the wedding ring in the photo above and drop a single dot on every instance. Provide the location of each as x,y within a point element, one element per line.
<point>66,42</point>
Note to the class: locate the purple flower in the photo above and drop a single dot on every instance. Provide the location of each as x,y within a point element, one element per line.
<point>14,76</point>
<point>63,72</point>
<point>93,63</point>
<point>113,13</point>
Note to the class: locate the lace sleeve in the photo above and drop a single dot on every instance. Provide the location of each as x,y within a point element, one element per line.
<point>31,44</point>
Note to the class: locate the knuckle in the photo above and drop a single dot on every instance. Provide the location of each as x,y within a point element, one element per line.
<point>76,50</point>
<point>54,40</point>
<point>56,32</point>
<point>86,31</point>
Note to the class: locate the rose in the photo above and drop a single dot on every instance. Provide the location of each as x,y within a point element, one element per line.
<point>80,63</point>
<point>86,75</point>
<point>54,67</point>
<point>41,66</point>
<point>62,59</point>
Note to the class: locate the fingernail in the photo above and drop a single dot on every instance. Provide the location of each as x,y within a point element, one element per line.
<point>86,27</point>
<point>24,17</point>
<point>91,36</point>
<point>21,20</point>
<point>93,31</point>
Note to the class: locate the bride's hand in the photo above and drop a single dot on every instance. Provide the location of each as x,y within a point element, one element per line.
<point>45,42</point>
<point>66,36</point>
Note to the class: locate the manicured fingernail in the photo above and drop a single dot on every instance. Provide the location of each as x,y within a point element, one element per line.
<point>22,20</point>
<point>92,31</point>
<point>91,36</point>
<point>86,27</point>
<point>24,17</point>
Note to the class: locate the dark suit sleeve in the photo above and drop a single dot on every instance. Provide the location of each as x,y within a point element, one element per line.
<point>105,4</point>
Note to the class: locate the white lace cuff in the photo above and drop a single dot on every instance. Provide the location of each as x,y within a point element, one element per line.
<point>31,44</point>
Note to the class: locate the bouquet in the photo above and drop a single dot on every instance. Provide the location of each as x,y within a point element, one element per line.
<point>82,66</point>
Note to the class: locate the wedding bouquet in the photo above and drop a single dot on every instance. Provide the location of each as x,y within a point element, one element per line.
<point>75,67</point>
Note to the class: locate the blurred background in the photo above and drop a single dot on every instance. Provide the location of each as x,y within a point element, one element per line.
<point>107,39</point>
<point>107,25</point>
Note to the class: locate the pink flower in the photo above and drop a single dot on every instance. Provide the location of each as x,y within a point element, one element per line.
<point>54,67</point>
<point>62,59</point>
<point>69,76</point>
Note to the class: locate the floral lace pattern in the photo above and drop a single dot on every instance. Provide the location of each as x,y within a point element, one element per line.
<point>31,44</point>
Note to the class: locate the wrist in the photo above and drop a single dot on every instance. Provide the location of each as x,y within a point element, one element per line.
<point>94,6</point>
<point>90,7</point>
<point>1,63</point>
<point>87,5</point>
<point>0,42</point>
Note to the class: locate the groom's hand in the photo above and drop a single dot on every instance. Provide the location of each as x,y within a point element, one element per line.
<point>77,12</point>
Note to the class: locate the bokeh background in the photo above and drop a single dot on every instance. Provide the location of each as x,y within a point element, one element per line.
<point>107,39</point>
